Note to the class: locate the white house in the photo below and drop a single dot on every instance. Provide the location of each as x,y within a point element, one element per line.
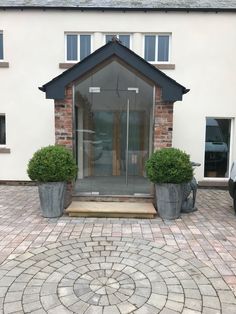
<point>113,95</point>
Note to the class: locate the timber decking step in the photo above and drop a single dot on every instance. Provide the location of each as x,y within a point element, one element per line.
<point>111,209</point>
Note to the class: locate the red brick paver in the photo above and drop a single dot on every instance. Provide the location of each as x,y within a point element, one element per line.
<point>208,234</point>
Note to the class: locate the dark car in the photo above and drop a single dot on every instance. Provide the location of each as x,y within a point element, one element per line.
<point>232,184</point>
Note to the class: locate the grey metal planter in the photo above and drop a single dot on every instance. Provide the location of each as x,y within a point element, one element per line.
<point>51,197</point>
<point>169,200</point>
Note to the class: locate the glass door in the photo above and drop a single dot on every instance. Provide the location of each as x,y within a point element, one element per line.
<point>114,132</point>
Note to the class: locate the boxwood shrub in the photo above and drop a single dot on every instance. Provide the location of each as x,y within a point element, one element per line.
<point>169,165</point>
<point>52,164</point>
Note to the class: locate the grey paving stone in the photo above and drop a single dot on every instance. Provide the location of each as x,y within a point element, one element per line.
<point>228,308</point>
<point>24,278</point>
<point>65,291</point>
<point>192,294</point>
<point>175,288</point>
<point>169,311</point>
<point>12,307</point>
<point>137,300</point>
<point>157,300</point>
<point>68,300</point>
<point>30,307</point>
<point>178,297</point>
<point>207,310</point>
<point>173,305</point>
<point>79,307</point>
<point>94,309</point>
<point>219,283</point>
<point>29,298</point>
<point>17,286</point>
<point>157,281</point>
<point>50,301</point>
<point>59,309</point>
<point>207,290</point>
<point>226,296</point>
<point>113,299</point>
<point>3,291</point>
<point>189,284</point>
<point>211,302</point>
<point>111,309</point>
<point>147,309</point>
<point>188,311</point>
<point>159,288</point>
<point>47,288</point>
<point>193,304</point>
<point>39,311</point>
<point>126,307</point>
<point>6,281</point>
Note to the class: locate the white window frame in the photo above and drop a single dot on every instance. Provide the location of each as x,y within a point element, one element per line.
<point>232,122</point>
<point>1,32</point>
<point>118,35</point>
<point>78,45</point>
<point>3,114</point>
<point>156,47</point>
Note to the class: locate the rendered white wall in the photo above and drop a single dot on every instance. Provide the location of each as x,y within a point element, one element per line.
<point>203,51</point>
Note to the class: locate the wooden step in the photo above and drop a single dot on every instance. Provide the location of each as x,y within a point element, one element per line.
<point>111,209</point>
<point>111,198</point>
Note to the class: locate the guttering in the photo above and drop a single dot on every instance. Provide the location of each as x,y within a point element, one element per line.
<point>124,9</point>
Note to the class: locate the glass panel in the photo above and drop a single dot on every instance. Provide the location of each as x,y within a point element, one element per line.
<point>150,43</point>
<point>103,140</point>
<point>2,130</point>
<point>135,137</point>
<point>103,118</point>
<point>85,46</point>
<point>72,47</point>
<point>1,46</point>
<point>125,40</point>
<point>163,48</point>
<point>217,147</point>
<point>109,38</point>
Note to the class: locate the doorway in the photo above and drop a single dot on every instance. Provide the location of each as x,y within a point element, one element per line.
<point>114,124</point>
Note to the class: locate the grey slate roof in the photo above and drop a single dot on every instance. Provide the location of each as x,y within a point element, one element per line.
<point>128,4</point>
<point>171,90</point>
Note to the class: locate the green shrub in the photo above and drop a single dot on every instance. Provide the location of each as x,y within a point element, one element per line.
<point>169,165</point>
<point>52,164</point>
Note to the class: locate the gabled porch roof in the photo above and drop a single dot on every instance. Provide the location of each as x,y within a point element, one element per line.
<point>171,90</point>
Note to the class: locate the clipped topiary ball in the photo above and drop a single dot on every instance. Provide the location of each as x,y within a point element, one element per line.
<point>52,164</point>
<point>169,165</point>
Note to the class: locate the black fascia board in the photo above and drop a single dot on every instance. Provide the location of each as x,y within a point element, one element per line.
<point>200,9</point>
<point>171,90</point>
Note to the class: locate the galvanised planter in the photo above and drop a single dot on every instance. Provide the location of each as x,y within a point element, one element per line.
<point>169,200</point>
<point>52,195</point>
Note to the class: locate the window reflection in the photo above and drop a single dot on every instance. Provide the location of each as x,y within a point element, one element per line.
<point>217,146</point>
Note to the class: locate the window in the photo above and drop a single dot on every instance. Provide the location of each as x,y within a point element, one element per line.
<point>77,47</point>
<point>2,130</point>
<point>217,147</point>
<point>125,39</point>
<point>1,46</point>
<point>157,48</point>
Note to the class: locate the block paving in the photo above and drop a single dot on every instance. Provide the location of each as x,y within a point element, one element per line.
<point>92,265</point>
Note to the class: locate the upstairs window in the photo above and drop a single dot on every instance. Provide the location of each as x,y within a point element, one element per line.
<point>157,48</point>
<point>77,46</point>
<point>125,39</point>
<point>1,46</point>
<point>2,129</point>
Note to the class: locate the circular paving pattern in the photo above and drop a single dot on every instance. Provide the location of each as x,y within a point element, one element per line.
<point>111,276</point>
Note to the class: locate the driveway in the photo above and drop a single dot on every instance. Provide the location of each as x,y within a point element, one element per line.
<point>90,265</point>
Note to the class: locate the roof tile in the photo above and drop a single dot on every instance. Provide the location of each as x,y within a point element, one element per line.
<point>130,4</point>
